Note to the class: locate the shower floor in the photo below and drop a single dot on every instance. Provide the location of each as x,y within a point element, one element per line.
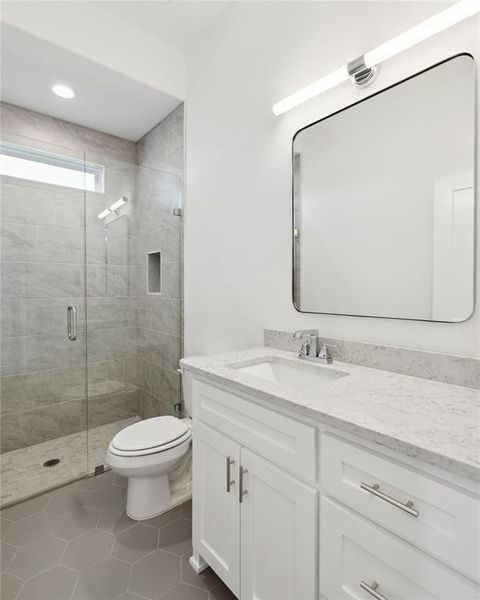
<point>22,471</point>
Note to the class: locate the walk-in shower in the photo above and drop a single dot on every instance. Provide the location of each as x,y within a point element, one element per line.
<point>86,347</point>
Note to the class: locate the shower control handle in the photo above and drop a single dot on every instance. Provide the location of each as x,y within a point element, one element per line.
<point>72,322</point>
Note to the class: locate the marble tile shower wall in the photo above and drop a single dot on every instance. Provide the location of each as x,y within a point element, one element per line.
<point>44,244</point>
<point>42,270</point>
<point>159,323</point>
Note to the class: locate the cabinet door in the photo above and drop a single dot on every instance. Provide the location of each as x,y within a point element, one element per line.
<point>278,533</point>
<point>216,514</point>
<point>360,561</point>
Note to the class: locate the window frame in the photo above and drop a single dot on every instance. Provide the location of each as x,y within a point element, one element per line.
<point>64,162</point>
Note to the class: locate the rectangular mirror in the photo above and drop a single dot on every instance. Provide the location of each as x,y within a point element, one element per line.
<point>384,202</point>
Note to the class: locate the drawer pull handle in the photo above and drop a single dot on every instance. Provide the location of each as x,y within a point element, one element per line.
<point>372,589</point>
<point>375,490</point>
<point>229,461</point>
<point>241,491</point>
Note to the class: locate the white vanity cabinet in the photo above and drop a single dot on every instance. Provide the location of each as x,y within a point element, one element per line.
<point>254,523</point>
<point>287,508</point>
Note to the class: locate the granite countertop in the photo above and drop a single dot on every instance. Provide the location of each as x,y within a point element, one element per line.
<point>435,422</point>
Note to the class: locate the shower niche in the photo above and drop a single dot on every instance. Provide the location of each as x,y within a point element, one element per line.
<point>154,272</point>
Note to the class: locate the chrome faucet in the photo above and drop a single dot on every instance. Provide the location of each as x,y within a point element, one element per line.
<point>298,334</point>
<point>308,336</point>
<point>312,348</point>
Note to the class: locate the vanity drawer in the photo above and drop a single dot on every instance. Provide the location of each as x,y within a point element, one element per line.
<point>442,520</point>
<point>353,551</point>
<point>286,442</point>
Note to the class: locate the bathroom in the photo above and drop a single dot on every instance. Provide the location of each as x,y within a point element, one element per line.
<point>230,371</point>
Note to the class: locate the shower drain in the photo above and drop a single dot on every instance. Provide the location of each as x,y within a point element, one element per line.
<point>51,462</point>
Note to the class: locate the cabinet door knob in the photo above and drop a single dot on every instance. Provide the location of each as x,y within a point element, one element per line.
<point>375,491</point>
<point>241,491</point>
<point>229,461</point>
<point>372,590</point>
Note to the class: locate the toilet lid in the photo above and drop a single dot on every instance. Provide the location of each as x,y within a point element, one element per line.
<point>150,433</point>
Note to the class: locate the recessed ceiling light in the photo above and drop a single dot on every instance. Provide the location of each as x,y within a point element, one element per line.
<point>63,91</point>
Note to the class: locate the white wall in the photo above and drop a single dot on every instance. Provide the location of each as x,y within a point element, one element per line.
<point>238,214</point>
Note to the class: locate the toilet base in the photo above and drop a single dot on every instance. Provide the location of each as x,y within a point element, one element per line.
<point>147,497</point>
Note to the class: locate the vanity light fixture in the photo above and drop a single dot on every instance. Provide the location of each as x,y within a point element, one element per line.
<point>113,207</point>
<point>363,69</point>
<point>63,91</point>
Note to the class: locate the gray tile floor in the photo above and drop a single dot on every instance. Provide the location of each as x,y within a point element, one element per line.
<point>22,471</point>
<point>76,543</point>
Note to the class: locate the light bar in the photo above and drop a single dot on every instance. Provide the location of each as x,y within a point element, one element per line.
<point>421,32</point>
<point>439,22</point>
<point>116,205</point>
<point>312,90</point>
<point>113,207</point>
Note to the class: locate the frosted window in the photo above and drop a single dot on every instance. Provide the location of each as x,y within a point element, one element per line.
<point>34,165</point>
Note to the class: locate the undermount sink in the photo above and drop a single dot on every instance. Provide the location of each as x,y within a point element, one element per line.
<point>294,374</point>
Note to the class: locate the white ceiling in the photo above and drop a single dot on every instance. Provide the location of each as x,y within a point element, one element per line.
<point>118,56</point>
<point>177,23</point>
<point>105,100</point>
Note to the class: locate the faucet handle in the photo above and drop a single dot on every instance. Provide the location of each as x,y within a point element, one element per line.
<point>305,349</point>
<point>324,353</point>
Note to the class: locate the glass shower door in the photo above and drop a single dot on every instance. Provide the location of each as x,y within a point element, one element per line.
<point>43,316</point>
<point>113,396</point>
<point>134,267</point>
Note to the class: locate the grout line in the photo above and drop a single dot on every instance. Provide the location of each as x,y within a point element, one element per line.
<point>75,585</point>
<point>144,556</point>
<point>180,556</point>
<point>114,538</point>
<point>196,587</point>
<point>21,587</point>
<point>17,549</point>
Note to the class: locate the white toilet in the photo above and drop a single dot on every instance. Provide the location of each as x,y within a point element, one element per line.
<point>146,452</point>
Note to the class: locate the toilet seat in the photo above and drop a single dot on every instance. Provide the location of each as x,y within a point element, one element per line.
<point>150,436</point>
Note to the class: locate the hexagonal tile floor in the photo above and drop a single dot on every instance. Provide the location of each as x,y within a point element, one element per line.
<point>76,543</point>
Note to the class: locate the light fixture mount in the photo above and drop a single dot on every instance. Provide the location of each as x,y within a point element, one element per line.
<point>361,75</point>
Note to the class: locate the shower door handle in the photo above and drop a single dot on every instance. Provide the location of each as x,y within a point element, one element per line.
<point>72,322</point>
